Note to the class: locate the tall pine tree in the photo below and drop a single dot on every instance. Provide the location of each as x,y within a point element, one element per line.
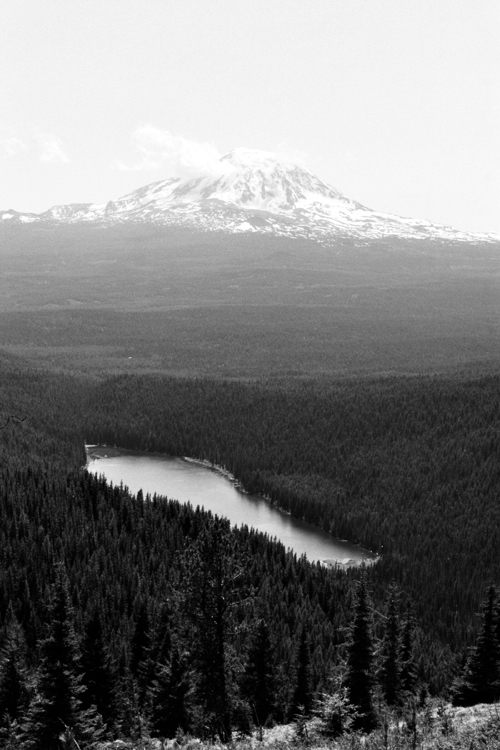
<point>480,682</point>
<point>259,682</point>
<point>14,688</point>
<point>140,651</point>
<point>57,704</point>
<point>359,678</point>
<point>408,674</point>
<point>390,669</point>
<point>170,697</point>
<point>302,696</point>
<point>99,675</point>
<point>210,578</point>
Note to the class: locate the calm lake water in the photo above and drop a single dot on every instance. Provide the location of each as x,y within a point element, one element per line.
<point>187,481</point>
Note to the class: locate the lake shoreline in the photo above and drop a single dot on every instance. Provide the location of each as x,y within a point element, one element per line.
<point>96,452</point>
<point>104,451</point>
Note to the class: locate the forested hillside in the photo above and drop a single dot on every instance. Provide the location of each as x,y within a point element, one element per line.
<point>136,574</point>
<point>126,574</point>
<point>406,466</point>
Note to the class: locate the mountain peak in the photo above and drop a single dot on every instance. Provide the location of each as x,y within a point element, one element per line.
<point>251,190</point>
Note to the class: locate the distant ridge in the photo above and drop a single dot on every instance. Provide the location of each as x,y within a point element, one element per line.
<point>252,191</point>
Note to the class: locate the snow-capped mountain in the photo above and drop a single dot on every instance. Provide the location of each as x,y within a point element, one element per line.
<point>252,191</point>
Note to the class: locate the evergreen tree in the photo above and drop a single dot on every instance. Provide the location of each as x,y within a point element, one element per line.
<point>128,720</point>
<point>99,677</point>
<point>480,682</point>
<point>14,686</point>
<point>157,656</point>
<point>360,656</point>
<point>390,671</point>
<point>259,681</point>
<point>210,578</point>
<point>140,652</point>
<point>169,697</point>
<point>302,696</point>
<point>408,674</point>
<point>13,669</point>
<point>141,642</point>
<point>57,704</point>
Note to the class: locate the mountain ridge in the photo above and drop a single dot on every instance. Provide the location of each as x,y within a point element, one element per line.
<point>252,191</point>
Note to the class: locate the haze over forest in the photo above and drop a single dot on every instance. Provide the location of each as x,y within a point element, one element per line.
<point>325,327</point>
<point>350,379</point>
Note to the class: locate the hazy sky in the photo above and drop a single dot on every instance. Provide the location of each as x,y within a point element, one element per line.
<point>394,102</point>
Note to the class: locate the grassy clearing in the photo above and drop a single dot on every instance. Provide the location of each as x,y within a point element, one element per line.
<point>438,726</point>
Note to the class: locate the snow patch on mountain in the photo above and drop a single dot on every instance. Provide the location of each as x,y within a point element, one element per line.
<point>253,191</point>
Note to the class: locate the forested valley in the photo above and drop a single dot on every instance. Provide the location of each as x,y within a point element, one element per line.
<point>139,616</point>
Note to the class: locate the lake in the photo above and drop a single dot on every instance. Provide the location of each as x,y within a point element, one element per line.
<point>200,484</point>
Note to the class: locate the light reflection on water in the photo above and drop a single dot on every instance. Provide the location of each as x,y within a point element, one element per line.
<point>187,481</point>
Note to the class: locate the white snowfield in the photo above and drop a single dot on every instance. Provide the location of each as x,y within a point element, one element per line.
<point>252,191</point>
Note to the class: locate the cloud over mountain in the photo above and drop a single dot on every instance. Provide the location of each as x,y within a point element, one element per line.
<point>51,148</point>
<point>173,154</point>
<point>10,145</point>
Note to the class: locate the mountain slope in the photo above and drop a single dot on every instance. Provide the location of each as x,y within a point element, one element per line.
<point>252,191</point>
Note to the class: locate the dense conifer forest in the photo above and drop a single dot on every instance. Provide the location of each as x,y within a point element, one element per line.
<point>137,615</point>
<point>406,466</point>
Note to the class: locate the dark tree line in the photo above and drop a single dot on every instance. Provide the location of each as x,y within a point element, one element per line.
<point>154,617</point>
<point>151,611</point>
<point>480,678</point>
<point>201,647</point>
<point>407,466</point>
